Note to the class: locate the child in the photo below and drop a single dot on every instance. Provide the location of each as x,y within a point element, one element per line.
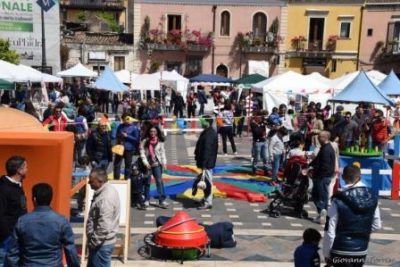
<point>307,255</point>
<point>137,187</point>
<point>276,149</point>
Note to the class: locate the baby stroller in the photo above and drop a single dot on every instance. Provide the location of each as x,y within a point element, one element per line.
<point>294,192</point>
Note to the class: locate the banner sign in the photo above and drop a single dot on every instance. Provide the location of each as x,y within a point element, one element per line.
<point>20,23</point>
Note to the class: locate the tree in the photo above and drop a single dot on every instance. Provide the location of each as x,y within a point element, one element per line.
<point>7,54</point>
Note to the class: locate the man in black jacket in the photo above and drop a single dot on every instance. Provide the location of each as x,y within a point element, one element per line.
<point>98,147</point>
<point>206,157</point>
<point>179,104</point>
<point>324,170</point>
<point>12,200</point>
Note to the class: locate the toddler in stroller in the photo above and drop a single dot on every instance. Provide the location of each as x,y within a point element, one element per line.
<point>294,192</point>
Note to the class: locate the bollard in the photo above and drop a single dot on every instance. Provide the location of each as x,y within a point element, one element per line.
<point>193,126</point>
<point>395,180</point>
<point>375,178</point>
<point>164,122</point>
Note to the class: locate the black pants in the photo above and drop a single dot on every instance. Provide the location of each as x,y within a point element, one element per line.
<point>201,111</point>
<point>347,261</point>
<point>178,112</point>
<point>227,132</point>
<point>127,157</point>
<point>191,111</point>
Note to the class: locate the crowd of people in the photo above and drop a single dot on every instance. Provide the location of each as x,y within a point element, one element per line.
<point>311,131</point>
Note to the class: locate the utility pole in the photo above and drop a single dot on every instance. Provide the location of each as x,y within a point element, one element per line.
<point>44,63</point>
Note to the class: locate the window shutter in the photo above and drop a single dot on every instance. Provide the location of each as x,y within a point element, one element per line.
<point>390,37</point>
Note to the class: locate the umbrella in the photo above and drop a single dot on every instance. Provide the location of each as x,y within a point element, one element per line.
<point>247,81</point>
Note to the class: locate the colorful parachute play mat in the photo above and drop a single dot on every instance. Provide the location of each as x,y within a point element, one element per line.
<point>230,181</point>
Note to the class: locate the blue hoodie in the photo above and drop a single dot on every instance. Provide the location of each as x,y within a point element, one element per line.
<point>131,142</point>
<point>307,255</point>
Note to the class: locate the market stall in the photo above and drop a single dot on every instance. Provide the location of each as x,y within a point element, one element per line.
<point>362,89</point>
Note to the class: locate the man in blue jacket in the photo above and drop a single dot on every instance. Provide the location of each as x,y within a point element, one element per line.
<point>128,135</point>
<point>39,237</point>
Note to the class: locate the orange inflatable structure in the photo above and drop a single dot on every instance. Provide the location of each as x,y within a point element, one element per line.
<point>49,155</point>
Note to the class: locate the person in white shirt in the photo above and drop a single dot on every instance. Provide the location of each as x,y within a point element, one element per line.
<point>352,216</point>
<point>276,149</point>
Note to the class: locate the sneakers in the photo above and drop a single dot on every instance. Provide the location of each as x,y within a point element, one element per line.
<point>163,205</point>
<point>234,153</point>
<point>141,207</point>
<point>323,216</point>
<point>146,203</point>
<point>205,207</point>
<point>317,220</point>
<point>275,183</point>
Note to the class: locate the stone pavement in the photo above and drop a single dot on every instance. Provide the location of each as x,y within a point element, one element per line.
<point>261,240</point>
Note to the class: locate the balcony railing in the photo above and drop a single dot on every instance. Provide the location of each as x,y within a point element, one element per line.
<point>258,50</point>
<point>94,4</point>
<point>393,47</point>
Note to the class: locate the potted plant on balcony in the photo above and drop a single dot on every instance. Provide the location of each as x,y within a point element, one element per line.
<point>298,42</point>
<point>331,44</point>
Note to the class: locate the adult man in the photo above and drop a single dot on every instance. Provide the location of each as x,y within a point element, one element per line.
<point>354,213</point>
<point>202,98</point>
<point>98,146</point>
<point>323,173</point>
<point>380,130</point>
<point>258,130</point>
<point>56,122</point>
<point>349,132</point>
<point>12,200</point>
<point>206,157</point>
<point>103,220</point>
<point>128,135</point>
<point>179,104</point>
<point>38,236</point>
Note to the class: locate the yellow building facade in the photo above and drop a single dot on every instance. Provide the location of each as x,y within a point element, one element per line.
<point>323,37</point>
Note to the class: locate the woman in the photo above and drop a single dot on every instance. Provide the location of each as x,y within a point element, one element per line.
<point>226,129</point>
<point>152,154</point>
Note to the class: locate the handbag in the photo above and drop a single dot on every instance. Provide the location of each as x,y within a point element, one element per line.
<point>118,149</point>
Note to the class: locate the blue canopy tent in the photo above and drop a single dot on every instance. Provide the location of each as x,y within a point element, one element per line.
<point>109,82</point>
<point>361,89</point>
<point>391,84</point>
<point>211,79</point>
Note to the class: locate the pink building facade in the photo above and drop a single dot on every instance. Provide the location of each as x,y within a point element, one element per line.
<point>207,36</point>
<point>380,36</point>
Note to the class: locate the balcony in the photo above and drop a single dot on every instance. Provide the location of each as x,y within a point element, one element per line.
<point>162,47</point>
<point>250,44</point>
<point>303,49</point>
<point>116,5</point>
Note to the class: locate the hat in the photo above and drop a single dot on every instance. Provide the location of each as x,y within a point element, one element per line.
<point>129,119</point>
<point>339,108</point>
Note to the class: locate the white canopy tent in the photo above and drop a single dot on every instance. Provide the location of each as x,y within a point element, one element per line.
<point>290,83</point>
<point>125,76</point>
<point>77,71</point>
<point>8,71</point>
<point>37,76</point>
<point>174,79</point>
<point>340,83</point>
<point>318,77</point>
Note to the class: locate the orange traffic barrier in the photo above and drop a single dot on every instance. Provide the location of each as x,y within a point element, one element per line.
<point>395,180</point>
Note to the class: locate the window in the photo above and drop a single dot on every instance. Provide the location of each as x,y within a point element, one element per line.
<point>98,68</point>
<point>222,70</point>
<point>334,65</point>
<point>194,66</point>
<point>119,63</point>
<point>175,65</point>
<point>316,33</point>
<point>393,37</point>
<point>225,23</point>
<point>345,29</point>
<point>370,32</point>
<point>174,22</point>
<point>260,25</point>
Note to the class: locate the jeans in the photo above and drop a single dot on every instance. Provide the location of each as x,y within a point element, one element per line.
<point>100,256</point>
<point>201,111</point>
<point>157,173</point>
<point>275,166</point>
<point>127,157</point>
<point>114,107</point>
<point>320,192</point>
<point>208,194</point>
<point>227,132</point>
<point>259,152</point>
<point>3,251</point>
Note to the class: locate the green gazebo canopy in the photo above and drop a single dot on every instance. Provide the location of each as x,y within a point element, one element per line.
<point>247,81</point>
<point>5,85</point>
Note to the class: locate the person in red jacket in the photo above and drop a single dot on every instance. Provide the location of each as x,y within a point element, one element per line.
<point>380,130</point>
<point>56,122</point>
